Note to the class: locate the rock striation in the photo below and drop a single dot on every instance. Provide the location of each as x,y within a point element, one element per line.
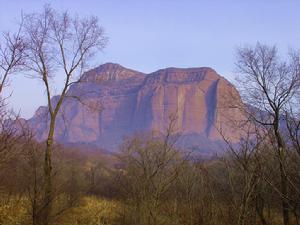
<point>116,102</point>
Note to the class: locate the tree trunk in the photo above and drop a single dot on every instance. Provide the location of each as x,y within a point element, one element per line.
<point>284,192</point>
<point>47,202</point>
<point>283,178</point>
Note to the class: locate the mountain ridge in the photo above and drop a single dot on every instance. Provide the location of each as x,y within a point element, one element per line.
<point>134,102</point>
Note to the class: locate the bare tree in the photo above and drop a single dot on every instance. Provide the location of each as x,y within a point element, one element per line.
<point>31,165</point>
<point>268,84</point>
<point>151,166</point>
<point>245,160</point>
<point>12,60</point>
<point>9,138</point>
<point>292,120</point>
<point>12,55</point>
<point>59,44</point>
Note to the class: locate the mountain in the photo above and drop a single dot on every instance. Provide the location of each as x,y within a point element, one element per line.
<point>133,102</point>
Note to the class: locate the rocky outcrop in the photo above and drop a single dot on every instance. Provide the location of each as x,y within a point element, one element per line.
<point>116,102</point>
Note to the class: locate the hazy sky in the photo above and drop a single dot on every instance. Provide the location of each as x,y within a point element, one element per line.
<point>153,34</point>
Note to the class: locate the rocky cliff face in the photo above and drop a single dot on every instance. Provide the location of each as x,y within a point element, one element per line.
<point>132,102</point>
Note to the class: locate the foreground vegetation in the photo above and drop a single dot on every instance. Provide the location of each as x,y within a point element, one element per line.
<point>149,182</point>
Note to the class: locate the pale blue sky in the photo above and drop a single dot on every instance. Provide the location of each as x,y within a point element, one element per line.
<point>153,34</point>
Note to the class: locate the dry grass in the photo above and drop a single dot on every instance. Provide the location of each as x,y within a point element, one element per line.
<point>91,211</point>
<point>14,211</point>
